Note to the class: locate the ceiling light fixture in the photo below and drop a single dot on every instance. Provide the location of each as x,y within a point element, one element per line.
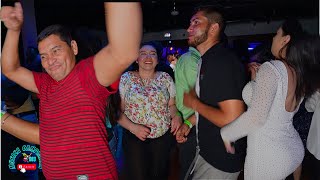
<point>174,12</point>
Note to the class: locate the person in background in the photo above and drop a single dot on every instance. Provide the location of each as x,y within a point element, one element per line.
<point>115,131</point>
<point>313,142</point>
<point>186,76</point>
<point>260,54</point>
<point>148,116</point>
<point>172,59</point>
<point>72,96</point>
<point>17,101</point>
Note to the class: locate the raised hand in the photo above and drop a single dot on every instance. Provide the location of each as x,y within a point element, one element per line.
<point>12,17</point>
<point>140,131</point>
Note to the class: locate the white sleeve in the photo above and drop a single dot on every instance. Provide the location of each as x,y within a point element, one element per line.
<point>312,102</point>
<point>256,115</point>
<point>247,92</point>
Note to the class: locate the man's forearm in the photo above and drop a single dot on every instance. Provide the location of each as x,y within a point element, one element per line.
<point>124,37</point>
<point>224,115</point>
<point>10,56</point>
<point>21,129</point>
<point>125,122</point>
<point>192,119</point>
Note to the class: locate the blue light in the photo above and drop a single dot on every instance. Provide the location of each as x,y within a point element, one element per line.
<point>253,45</point>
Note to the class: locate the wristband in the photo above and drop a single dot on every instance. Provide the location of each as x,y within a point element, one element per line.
<point>2,113</point>
<point>188,123</point>
<point>2,122</point>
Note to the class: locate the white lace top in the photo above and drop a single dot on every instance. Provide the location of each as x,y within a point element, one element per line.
<point>274,149</point>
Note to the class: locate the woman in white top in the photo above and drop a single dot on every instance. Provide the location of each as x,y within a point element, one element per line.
<point>274,148</point>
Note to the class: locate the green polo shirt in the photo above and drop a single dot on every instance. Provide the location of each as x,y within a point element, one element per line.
<point>185,77</point>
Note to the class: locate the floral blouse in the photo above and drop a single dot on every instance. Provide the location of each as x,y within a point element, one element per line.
<point>147,101</point>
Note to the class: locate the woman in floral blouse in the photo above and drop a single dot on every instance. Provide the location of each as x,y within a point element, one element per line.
<point>149,117</point>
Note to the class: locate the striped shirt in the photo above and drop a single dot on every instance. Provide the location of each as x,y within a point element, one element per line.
<point>73,137</point>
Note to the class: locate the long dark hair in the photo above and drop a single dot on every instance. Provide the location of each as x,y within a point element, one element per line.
<point>113,109</point>
<point>293,28</point>
<point>304,57</point>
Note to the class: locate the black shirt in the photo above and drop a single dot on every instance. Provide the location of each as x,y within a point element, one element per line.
<point>222,77</point>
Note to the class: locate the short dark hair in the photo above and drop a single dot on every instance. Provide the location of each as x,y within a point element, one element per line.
<point>56,29</point>
<point>214,15</point>
<point>156,45</point>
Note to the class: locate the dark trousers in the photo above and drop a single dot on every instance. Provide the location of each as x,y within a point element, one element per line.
<point>187,153</point>
<point>149,159</point>
<point>315,168</point>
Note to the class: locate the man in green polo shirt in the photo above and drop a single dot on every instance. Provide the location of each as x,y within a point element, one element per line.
<point>185,78</point>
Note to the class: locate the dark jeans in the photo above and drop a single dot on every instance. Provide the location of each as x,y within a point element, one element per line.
<point>315,167</point>
<point>149,159</point>
<point>187,153</point>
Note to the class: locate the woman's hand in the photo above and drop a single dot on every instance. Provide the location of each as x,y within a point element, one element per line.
<point>253,69</point>
<point>140,131</point>
<point>176,122</point>
<point>230,149</point>
<point>182,133</point>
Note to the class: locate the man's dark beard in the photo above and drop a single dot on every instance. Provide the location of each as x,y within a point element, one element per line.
<point>200,39</point>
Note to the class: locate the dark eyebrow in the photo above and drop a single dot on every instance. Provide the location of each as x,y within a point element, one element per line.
<point>55,47</point>
<point>193,19</point>
<point>147,50</point>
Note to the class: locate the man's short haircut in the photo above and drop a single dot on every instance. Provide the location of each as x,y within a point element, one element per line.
<point>56,29</point>
<point>214,15</point>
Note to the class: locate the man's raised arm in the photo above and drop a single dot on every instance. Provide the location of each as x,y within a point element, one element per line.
<point>12,17</point>
<point>124,29</point>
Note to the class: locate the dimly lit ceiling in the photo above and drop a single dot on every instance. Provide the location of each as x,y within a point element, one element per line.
<point>157,13</point>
